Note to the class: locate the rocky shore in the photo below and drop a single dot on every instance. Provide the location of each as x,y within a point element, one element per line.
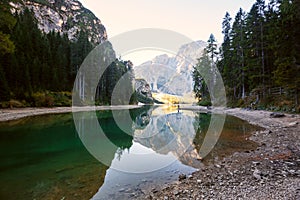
<point>272,171</point>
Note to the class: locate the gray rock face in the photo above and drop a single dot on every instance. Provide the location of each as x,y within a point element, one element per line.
<point>65,16</point>
<point>144,94</point>
<point>172,74</point>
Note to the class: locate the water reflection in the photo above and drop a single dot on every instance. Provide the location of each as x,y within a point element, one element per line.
<point>167,137</point>
<point>171,133</point>
<point>166,143</point>
<point>158,141</point>
<point>43,158</point>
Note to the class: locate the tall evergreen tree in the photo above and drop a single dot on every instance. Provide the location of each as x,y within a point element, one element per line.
<point>238,35</point>
<point>224,65</point>
<point>211,48</point>
<point>203,67</point>
<point>287,52</point>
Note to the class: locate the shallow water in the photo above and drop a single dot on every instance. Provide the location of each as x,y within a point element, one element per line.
<point>46,157</point>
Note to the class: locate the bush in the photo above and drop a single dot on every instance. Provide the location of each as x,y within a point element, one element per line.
<point>50,99</point>
<point>241,103</point>
<point>43,99</point>
<point>15,104</point>
<point>205,103</point>
<point>62,98</point>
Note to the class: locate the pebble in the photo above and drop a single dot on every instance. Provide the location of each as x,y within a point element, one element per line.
<point>257,174</point>
<point>176,192</point>
<point>218,166</point>
<point>293,123</point>
<point>182,177</point>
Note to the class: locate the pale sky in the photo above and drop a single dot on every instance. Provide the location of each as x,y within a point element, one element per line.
<point>196,19</point>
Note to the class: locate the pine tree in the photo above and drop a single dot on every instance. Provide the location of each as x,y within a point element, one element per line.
<point>287,71</point>
<point>211,48</point>
<point>203,69</point>
<point>256,46</point>
<point>238,35</point>
<point>224,64</point>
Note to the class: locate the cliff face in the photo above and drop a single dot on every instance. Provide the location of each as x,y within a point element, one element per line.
<point>172,74</point>
<point>65,16</point>
<point>143,91</point>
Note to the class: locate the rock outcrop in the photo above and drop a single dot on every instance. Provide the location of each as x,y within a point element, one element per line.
<point>143,92</point>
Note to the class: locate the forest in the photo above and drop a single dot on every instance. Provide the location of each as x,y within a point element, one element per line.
<point>39,69</point>
<point>259,58</point>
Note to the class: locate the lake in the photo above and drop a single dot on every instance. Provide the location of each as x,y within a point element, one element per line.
<point>58,156</point>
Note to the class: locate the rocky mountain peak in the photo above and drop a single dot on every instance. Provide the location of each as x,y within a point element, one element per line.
<point>172,74</point>
<point>65,16</point>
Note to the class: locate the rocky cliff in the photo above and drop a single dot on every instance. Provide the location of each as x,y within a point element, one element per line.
<point>143,92</point>
<point>172,74</point>
<point>65,16</point>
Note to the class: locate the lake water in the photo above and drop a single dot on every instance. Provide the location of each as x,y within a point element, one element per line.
<point>46,157</point>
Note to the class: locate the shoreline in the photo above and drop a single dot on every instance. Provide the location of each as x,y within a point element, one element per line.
<point>255,117</point>
<point>8,114</point>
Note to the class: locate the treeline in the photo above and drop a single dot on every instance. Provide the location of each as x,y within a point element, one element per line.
<point>260,51</point>
<point>39,69</point>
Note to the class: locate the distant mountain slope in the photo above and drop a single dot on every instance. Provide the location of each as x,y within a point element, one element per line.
<point>65,16</point>
<point>172,75</point>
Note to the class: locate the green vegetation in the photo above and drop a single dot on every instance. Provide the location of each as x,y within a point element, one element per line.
<point>259,54</point>
<point>205,66</point>
<point>38,69</point>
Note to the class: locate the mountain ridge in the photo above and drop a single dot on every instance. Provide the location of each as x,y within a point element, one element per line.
<point>172,74</point>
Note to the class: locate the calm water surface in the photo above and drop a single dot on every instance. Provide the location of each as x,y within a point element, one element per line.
<point>44,157</point>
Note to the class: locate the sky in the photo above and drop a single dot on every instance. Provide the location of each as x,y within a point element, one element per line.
<point>196,19</point>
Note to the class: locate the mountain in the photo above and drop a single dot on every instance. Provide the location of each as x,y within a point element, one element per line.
<point>172,74</point>
<point>65,16</point>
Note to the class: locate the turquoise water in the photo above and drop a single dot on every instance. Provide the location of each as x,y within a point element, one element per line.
<point>44,157</point>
